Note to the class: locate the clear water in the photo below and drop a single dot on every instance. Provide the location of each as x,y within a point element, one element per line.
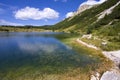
<point>29,52</point>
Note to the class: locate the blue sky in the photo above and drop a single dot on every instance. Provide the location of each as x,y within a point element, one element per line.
<point>35,12</point>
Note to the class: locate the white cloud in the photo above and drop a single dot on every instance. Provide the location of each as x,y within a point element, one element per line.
<point>69,14</point>
<point>36,14</point>
<point>4,22</point>
<point>92,2</point>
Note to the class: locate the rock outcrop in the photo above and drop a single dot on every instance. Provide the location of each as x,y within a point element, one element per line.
<point>114,56</point>
<point>95,77</point>
<point>83,8</point>
<point>87,5</point>
<point>111,75</point>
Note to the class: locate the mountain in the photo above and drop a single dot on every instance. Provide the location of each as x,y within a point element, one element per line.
<point>82,8</point>
<point>89,17</point>
<point>87,5</point>
<point>102,20</point>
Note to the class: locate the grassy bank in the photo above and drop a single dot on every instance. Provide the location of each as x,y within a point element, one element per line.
<point>102,43</point>
<point>100,66</point>
<point>22,29</point>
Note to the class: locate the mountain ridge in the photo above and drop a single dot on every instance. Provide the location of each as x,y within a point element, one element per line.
<point>94,10</point>
<point>89,22</point>
<point>87,5</point>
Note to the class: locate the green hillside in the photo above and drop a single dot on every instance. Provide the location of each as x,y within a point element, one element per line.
<point>88,17</point>
<point>87,22</point>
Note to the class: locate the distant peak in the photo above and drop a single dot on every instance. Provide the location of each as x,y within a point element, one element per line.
<point>88,4</point>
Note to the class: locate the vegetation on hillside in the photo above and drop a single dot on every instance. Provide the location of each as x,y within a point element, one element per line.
<point>27,28</point>
<point>85,18</point>
<point>107,28</point>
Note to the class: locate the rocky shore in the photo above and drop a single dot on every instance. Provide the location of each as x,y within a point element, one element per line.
<point>114,73</point>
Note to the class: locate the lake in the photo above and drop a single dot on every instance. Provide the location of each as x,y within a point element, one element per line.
<point>32,54</point>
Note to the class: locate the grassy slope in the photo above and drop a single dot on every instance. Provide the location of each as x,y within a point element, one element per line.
<point>85,23</point>
<point>86,18</point>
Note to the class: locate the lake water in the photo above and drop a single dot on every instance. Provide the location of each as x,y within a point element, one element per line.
<point>23,53</point>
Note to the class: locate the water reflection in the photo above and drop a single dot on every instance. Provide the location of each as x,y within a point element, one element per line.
<point>43,44</point>
<point>38,51</point>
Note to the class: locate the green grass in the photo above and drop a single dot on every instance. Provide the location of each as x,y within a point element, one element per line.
<point>102,64</point>
<point>110,46</point>
<point>23,29</point>
<point>86,19</point>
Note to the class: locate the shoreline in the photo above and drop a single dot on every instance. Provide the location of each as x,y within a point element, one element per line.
<point>114,56</point>
<point>88,45</point>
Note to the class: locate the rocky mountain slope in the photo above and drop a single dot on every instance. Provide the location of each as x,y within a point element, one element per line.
<point>82,8</point>
<point>101,20</point>
<point>89,17</point>
<point>87,5</point>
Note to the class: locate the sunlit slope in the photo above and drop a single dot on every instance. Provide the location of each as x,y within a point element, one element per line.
<point>89,22</point>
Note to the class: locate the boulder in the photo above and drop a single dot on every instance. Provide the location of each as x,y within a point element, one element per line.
<point>111,75</point>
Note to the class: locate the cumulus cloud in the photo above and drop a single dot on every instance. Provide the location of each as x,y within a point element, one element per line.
<point>92,2</point>
<point>4,22</point>
<point>36,14</point>
<point>69,14</point>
